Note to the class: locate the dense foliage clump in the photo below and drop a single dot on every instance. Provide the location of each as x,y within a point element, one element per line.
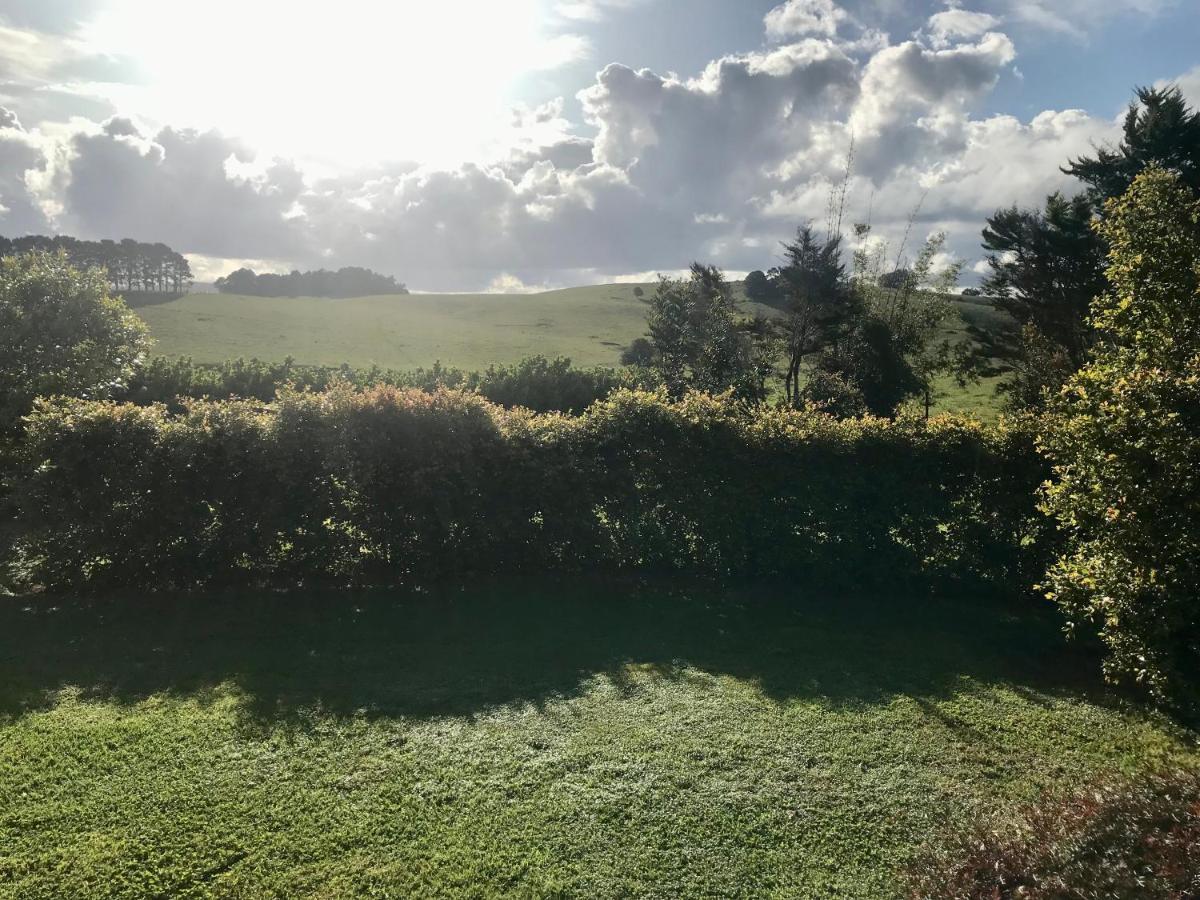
<point>61,333</point>
<point>129,266</point>
<point>1119,837</point>
<point>536,383</point>
<point>1047,265</point>
<point>1124,437</point>
<point>350,281</point>
<point>385,485</point>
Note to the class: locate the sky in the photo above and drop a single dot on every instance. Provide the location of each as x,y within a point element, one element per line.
<point>477,145</point>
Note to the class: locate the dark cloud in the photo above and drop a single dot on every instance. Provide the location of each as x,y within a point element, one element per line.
<point>179,187</point>
<point>20,156</point>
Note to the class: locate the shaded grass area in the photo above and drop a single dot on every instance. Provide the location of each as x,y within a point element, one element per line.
<point>527,738</point>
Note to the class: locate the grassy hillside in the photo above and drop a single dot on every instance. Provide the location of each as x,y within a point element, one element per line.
<point>471,331</point>
<point>527,739</point>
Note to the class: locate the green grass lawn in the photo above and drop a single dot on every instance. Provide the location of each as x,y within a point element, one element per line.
<point>527,739</point>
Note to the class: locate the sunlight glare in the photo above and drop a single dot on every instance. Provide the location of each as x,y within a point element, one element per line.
<point>343,83</point>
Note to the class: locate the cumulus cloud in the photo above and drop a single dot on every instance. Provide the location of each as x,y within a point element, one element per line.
<point>21,158</point>
<point>176,187</point>
<point>797,18</point>
<point>950,24</point>
<point>663,168</point>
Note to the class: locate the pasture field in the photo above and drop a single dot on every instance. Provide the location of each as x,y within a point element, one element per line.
<point>528,738</point>
<point>468,331</point>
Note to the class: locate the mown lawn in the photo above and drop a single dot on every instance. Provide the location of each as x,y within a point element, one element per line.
<point>527,738</point>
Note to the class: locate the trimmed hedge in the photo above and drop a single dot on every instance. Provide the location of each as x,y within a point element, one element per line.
<point>537,383</point>
<point>383,485</point>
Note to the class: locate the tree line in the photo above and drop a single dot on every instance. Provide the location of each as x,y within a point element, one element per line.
<point>858,336</point>
<point>350,281</point>
<point>130,266</point>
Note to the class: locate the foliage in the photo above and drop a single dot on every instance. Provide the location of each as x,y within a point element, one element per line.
<point>640,352</point>
<point>1160,130</point>
<point>762,289</point>
<point>870,361</point>
<point>832,393</point>
<point>129,265</point>
<point>890,353</point>
<point>819,305</point>
<point>1124,437</point>
<point>1118,837</point>
<point>1047,266</point>
<point>537,383</point>
<point>61,333</point>
<point>385,484</point>
<point>350,281</point>
<point>698,345</point>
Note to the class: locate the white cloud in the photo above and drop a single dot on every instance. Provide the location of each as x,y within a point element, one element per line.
<point>797,18</point>
<point>1075,18</point>
<point>720,166</point>
<point>950,24</point>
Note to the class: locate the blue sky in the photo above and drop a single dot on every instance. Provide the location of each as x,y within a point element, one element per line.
<point>552,142</point>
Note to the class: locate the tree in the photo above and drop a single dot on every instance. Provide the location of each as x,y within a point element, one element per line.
<point>894,356</point>
<point>640,352</point>
<point>350,281</point>
<point>1048,265</point>
<point>61,333</point>
<point>1160,130</point>
<point>818,302</point>
<point>1124,438</point>
<point>131,266</point>
<point>697,341</point>
<point>759,287</point>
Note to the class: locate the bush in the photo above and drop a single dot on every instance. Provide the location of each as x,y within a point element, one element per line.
<point>1124,437</point>
<point>536,383</point>
<point>384,485</point>
<point>1115,839</point>
<point>61,333</point>
<point>831,393</point>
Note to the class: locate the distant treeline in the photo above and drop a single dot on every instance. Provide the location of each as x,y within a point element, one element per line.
<point>351,281</point>
<point>132,266</point>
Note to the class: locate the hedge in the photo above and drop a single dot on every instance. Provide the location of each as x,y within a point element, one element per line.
<point>385,485</point>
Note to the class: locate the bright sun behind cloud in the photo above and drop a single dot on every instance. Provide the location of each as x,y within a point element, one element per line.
<point>341,83</point>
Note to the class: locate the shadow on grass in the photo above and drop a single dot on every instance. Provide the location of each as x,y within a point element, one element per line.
<point>459,651</point>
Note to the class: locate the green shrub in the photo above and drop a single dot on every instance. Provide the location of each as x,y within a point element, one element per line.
<point>536,383</point>
<point>61,333</point>
<point>388,484</point>
<point>1120,838</point>
<point>1124,437</point>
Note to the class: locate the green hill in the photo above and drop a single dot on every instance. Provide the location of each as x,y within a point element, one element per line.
<point>470,331</point>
